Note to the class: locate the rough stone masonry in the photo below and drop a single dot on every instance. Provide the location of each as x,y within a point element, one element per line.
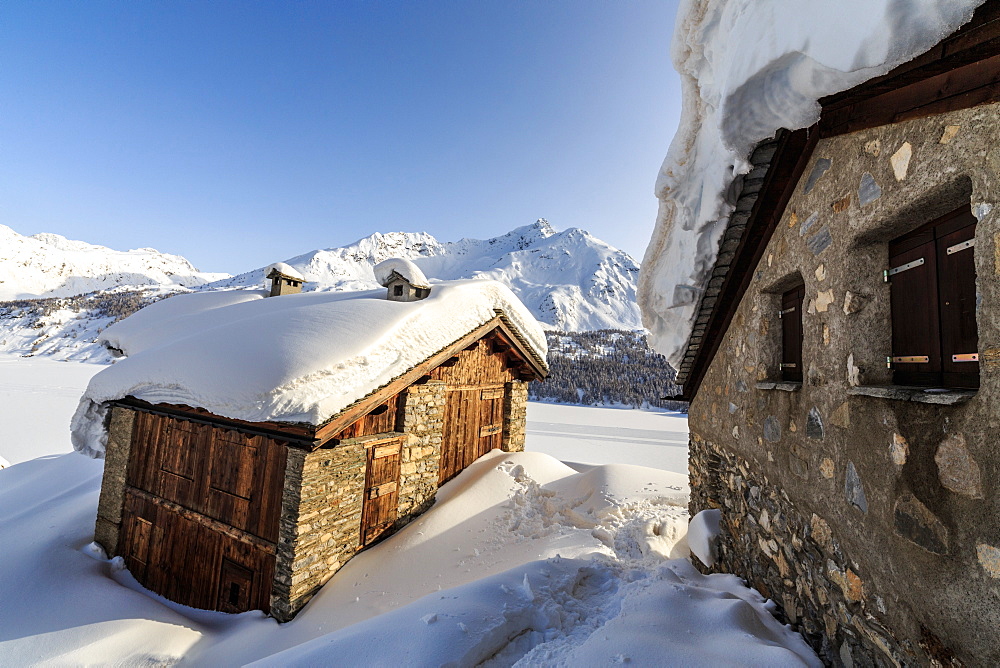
<point>866,510</point>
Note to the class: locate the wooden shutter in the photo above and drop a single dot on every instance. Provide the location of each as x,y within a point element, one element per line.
<point>933,293</point>
<point>957,301</point>
<point>791,334</point>
<point>916,345</point>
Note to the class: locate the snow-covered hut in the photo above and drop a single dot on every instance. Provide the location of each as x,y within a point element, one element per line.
<point>403,280</point>
<point>253,445</point>
<point>285,279</point>
<point>825,276</point>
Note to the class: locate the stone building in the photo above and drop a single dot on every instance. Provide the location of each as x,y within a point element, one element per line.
<point>216,510</point>
<point>844,369</point>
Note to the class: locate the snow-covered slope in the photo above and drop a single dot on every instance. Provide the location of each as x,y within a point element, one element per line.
<point>749,68</point>
<point>48,265</point>
<point>569,280</point>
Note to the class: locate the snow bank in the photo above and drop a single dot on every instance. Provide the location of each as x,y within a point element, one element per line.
<point>295,358</point>
<point>703,536</point>
<point>749,68</point>
<point>405,268</point>
<point>286,269</point>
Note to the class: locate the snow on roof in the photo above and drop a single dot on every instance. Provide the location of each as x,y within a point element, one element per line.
<point>302,358</point>
<point>285,269</point>
<point>749,68</point>
<point>405,268</point>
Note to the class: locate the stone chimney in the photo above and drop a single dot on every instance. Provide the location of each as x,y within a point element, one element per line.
<point>285,280</point>
<point>403,280</point>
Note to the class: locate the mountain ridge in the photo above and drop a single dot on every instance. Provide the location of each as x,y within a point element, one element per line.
<point>56,294</point>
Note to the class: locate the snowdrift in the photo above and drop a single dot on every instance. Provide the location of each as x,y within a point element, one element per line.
<point>522,559</point>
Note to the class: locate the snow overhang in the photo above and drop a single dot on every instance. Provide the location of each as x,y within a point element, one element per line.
<point>752,83</point>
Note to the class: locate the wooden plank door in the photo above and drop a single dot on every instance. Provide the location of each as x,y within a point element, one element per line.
<point>473,425</point>
<point>490,419</point>
<point>381,503</point>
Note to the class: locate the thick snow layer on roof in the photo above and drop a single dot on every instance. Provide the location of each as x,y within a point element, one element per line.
<point>295,358</point>
<point>403,267</point>
<point>282,268</point>
<point>749,68</point>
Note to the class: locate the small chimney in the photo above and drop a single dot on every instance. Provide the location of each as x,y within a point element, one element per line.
<point>284,279</point>
<point>403,280</point>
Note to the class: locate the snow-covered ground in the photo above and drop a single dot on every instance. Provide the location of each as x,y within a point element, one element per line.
<point>522,559</point>
<point>591,435</point>
<point>36,397</point>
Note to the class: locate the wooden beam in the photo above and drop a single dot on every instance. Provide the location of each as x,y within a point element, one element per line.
<point>789,162</point>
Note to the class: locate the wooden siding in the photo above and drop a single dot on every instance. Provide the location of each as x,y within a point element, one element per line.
<point>490,360</point>
<point>383,418</point>
<point>190,563</point>
<point>474,394</point>
<point>231,477</point>
<point>201,512</point>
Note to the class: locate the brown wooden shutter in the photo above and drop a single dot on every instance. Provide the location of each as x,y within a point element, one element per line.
<point>957,302</point>
<point>791,334</point>
<point>933,292</point>
<point>916,346</point>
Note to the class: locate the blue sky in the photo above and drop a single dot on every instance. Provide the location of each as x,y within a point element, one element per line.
<point>240,133</point>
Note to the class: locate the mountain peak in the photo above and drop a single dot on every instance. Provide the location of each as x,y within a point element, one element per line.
<point>569,280</point>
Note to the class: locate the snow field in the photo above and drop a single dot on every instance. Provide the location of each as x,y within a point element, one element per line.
<point>37,398</point>
<point>597,435</point>
<point>523,559</point>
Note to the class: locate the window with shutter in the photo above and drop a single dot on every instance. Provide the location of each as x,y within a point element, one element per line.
<point>791,333</point>
<point>932,279</point>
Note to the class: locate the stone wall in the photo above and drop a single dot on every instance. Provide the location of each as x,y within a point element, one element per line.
<point>515,415</point>
<point>116,456</point>
<point>423,420</point>
<point>324,497</point>
<point>320,523</point>
<point>803,567</point>
<point>882,537</point>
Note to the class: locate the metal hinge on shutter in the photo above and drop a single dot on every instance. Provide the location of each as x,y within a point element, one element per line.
<point>901,268</point>
<point>965,357</point>
<point>960,247</point>
<point>788,365</point>
<point>910,359</point>
<point>790,309</point>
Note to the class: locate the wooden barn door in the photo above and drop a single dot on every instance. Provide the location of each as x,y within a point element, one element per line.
<point>473,425</point>
<point>381,502</point>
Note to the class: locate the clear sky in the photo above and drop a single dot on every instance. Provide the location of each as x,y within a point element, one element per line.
<point>240,133</point>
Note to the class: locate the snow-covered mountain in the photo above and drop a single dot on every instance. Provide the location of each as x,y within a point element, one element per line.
<point>569,280</point>
<point>49,265</point>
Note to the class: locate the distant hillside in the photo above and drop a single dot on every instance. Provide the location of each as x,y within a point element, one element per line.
<point>48,265</point>
<point>606,367</point>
